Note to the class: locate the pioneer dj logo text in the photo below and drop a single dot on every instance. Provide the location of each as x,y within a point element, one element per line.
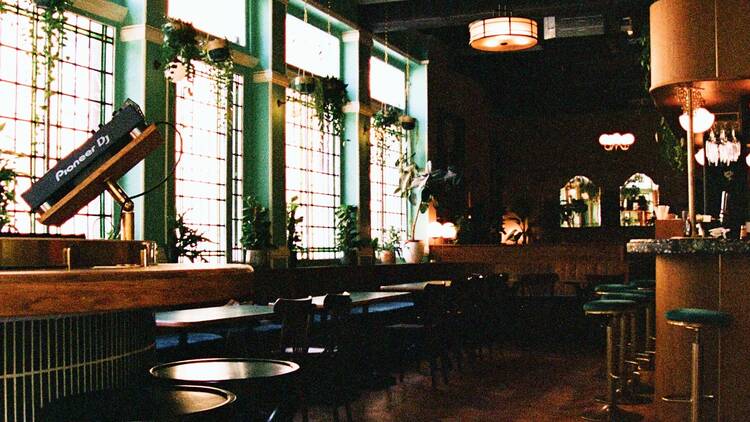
<point>100,142</point>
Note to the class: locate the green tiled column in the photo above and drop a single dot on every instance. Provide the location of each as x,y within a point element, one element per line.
<point>355,153</point>
<point>265,160</point>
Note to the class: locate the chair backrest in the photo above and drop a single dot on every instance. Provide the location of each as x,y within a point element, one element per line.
<point>434,303</point>
<point>337,321</point>
<point>537,284</point>
<point>295,316</point>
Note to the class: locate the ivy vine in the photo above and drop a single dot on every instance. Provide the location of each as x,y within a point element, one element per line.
<point>329,99</point>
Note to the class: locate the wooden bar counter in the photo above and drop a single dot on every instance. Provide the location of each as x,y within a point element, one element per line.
<point>711,274</point>
<point>66,332</point>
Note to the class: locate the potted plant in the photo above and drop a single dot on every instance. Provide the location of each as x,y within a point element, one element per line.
<point>293,237</point>
<point>390,247</point>
<point>329,98</point>
<point>256,233</point>
<point>304,84</point>
<point>178,50</point>
<point>217,50</point>
<point>386,117</point>
<point>7,192</point>
<point>407,122</point>
<point>183,240</point>
<point>348,239</point>
<point>421,187</point>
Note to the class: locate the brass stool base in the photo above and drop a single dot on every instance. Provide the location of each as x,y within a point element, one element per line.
<point>611,414</point>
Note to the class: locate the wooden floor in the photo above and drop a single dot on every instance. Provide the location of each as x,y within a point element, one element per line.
<point>531,383</point>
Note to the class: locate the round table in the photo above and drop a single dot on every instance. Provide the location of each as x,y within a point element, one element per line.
<point>261,385</point>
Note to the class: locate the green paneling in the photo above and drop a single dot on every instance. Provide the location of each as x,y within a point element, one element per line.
<point>417,107</point>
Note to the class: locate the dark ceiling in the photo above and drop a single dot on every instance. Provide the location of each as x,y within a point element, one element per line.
<point>573,74</point>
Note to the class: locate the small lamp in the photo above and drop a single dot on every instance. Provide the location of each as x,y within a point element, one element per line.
<point>449,231</point>
<point>702,120</point>
<point>434,231</point>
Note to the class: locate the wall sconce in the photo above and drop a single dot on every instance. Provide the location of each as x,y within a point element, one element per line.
<point>616,141</point>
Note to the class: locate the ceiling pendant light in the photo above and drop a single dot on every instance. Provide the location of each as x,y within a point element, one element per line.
<point>503,33</point>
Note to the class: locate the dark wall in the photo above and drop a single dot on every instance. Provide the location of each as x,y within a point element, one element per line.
<point>462,133</point>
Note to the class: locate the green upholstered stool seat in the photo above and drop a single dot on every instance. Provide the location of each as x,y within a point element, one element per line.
<point>631,295</point>
<point>609,306</point>
<point>650,294</point>
<point>643,284</point>
<point>697,316</point>
<point>611,288</point>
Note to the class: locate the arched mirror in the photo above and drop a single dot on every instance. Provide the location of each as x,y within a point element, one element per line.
<point>639,196</point>
<point>580,203</point>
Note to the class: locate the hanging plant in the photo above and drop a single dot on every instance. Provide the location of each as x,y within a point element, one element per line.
<point>304,84</point>
<point>179,48</point>
<point>219,57</point>
<point>386,117</point>
<point>407,122</point>
<point>329,98</point>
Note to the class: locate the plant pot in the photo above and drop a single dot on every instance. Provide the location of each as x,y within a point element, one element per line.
<point>413,251</point>
<point>218,50</point>
<point>388,257</point>
<point>258,258</point>
<point>349,258</point>
<point>407,122</point>
<point>303,84</point>
<point>333,87</point>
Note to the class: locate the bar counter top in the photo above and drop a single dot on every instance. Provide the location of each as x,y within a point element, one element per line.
<point>50,292</point>
<point>689,245</point>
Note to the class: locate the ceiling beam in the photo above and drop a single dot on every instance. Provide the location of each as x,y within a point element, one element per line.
<point>379,22</point>
<point>363,2</point>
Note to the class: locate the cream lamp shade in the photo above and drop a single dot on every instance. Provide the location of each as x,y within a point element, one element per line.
<point>503,33</point>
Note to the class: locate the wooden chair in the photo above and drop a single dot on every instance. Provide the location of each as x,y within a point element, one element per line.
<point>426,336</point>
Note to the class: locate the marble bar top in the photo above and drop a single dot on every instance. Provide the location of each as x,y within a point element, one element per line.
<point>689,245</point>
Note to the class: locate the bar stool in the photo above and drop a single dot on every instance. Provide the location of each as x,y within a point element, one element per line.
<point>695,319</point>
<point>615,310</point>
<point>631,351</point>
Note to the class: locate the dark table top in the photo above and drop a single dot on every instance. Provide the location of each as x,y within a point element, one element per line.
<point>214,315</point>
<point>223,369</point>
<point>413,287</point>
<point>222,315</point>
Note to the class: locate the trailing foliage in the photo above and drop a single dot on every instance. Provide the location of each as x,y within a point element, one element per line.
<point>7,193</point>
<point>180,45</point>
<point>53,21</point>
<point>386,117</point>
<point>671,149</point>
<point>256,225</point>
<point>329,98</point>
<point>184,240</point>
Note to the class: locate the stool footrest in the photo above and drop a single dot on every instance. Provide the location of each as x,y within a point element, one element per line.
<point>676,399</point>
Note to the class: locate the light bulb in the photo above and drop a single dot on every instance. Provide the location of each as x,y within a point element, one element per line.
<point>699,157</point>
<point>702,120</point>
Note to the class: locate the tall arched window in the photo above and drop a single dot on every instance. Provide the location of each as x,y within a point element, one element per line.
<point>387,144</point>
<point>313,156</point>
<point>580,203</point>
<point>38,129</point>
<point>639,196</point>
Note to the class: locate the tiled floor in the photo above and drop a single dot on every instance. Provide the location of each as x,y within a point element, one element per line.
<point>530,384</point>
